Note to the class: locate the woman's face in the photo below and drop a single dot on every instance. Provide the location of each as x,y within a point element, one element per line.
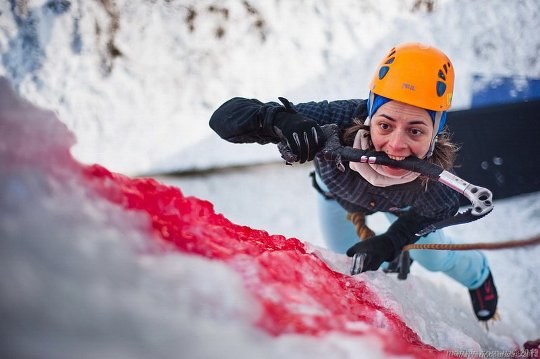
<point>401,130</point>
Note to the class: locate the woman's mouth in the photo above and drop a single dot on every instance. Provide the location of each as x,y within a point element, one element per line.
<point>397,158</point>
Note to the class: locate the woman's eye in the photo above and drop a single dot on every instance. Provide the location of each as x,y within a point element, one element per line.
<point>384,126</point>
<point>416,132</point>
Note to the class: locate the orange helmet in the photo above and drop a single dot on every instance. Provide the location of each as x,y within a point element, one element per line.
<point>416,74</point>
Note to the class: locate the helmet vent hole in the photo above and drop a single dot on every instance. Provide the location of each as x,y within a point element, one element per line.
<point>441,88</point>
<point>392,52</point>
<point>391,60</point>
<point>445,69</point>
<point>441,75</point>
<point>383,71</point>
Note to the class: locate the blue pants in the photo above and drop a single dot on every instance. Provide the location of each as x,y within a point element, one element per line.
<point>469,268</point>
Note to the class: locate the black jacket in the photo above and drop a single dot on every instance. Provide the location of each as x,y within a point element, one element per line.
<point>242,120</point>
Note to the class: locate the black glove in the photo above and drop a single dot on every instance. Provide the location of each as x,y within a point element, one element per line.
<point>378,249</point>
<point>303,135</point>
<point>387,246</point>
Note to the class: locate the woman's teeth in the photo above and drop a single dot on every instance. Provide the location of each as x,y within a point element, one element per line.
<point>397,158</point>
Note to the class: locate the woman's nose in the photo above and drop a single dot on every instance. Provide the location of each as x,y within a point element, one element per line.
<point>397,140</point>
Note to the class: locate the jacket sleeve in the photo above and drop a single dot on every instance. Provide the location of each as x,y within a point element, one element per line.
<point>340,112</point>
<point>242,120</point>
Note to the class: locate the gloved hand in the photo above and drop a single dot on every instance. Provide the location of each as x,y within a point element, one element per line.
<point>387,246</point>
<point>303,135</point>
<point>378,249</point>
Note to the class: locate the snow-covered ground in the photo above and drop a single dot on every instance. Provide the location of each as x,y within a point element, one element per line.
<point>138,80</point>
<point>84,277</point>
<point>280,199</point>
<point>74,282</point>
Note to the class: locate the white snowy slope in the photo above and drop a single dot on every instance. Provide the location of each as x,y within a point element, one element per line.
<point>80,277</point>
<point>280,199</point>
<point>138,80</point>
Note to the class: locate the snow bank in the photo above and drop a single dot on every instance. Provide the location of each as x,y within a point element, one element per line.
<point>137,81</point>
<point>91,267</point>
<point>98,264</point>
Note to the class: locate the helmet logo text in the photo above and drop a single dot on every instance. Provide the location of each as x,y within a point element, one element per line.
<point>408,86</point>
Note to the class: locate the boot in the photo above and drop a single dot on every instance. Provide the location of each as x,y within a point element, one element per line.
<point>484,299</point>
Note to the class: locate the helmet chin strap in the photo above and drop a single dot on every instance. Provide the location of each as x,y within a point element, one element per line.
<point>436,124</point>
<point>367,122</point>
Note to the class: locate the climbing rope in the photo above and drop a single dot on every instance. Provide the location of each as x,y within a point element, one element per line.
<point>364,232</point>
<point>359,221</point>
<point>470,246</point>
<point>402,262</point>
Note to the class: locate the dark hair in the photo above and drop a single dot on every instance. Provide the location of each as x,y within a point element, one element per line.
<point>444,154</point>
